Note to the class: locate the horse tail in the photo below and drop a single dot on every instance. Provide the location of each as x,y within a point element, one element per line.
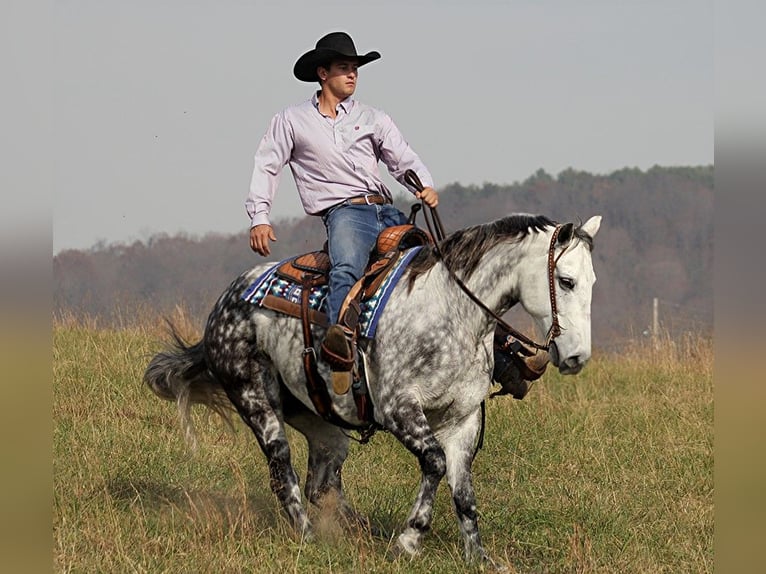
<point>180,374</point>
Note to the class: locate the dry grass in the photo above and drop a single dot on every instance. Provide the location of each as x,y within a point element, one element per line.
<point>611,471</point>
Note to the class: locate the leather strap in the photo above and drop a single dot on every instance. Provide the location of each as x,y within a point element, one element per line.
<point>317,386</point>
<point>294,309</point>
<point>364,287</point>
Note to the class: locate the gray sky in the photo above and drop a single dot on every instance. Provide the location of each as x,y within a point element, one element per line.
<point>159,105</point>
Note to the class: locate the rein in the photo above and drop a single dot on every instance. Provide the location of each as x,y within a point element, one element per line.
<point>436,229</point>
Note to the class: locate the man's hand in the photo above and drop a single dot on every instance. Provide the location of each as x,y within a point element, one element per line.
<point>260,235</point>
<point>429,196</point>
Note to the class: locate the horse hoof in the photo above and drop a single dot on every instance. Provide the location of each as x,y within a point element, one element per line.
<point>397,551</point>
<point>485,562</point>
<point>406,544</point>
<point>305,532</point>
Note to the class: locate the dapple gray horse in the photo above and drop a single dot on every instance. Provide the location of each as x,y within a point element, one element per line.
<point>428,368</point>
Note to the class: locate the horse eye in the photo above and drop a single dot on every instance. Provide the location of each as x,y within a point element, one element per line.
<point>566,283</point>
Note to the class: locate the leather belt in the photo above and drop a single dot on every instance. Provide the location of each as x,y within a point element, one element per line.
<point>369,199</point>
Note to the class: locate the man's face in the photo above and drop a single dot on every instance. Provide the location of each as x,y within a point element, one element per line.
<point>340,78</point>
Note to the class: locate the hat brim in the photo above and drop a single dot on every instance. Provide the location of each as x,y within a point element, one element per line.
<point>305,68</point>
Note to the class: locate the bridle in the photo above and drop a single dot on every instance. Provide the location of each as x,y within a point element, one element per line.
<point>436,230</point>
<point>555,329</point>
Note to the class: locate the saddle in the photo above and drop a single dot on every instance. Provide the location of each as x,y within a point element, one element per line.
<point>311,270</point>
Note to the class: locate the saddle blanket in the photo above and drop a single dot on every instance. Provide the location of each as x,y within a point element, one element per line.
<point>271,284</point>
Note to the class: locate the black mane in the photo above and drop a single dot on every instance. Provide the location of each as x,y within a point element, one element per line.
<point>462,251</point>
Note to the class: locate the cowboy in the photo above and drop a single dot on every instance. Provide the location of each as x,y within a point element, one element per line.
<point>333,144</point>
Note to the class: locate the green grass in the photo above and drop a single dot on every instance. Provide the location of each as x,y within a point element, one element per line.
<point>609,471</point>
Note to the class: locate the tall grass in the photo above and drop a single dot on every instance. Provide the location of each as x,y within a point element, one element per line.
<point>609,471</point>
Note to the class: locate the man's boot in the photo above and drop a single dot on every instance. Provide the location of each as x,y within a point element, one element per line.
<point>337,352</point>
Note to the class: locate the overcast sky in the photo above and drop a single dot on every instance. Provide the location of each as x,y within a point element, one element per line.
<point>159,105</point>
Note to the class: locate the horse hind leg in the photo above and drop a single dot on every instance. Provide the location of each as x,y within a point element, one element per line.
<point>258,403</point>
<point>328,449</point>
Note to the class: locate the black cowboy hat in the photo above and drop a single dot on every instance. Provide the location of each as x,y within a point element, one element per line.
<point>333,45</point>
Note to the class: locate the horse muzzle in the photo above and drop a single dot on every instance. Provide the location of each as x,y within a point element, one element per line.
<point>569,366</point>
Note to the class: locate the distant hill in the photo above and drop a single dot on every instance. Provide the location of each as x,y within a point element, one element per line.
<point>656,241</point>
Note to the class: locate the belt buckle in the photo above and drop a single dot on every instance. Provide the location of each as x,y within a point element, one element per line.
<point>367,198</point>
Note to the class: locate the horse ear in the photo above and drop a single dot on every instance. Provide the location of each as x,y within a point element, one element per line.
<point>592,225</point>
<point>565,234</point>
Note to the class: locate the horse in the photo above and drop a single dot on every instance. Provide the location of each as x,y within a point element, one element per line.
<point>428,368</point>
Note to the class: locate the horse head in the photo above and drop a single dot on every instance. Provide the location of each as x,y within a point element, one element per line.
<point>560,292</point>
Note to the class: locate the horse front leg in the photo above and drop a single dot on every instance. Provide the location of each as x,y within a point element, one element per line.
<point>407,423</point>
<point>459,450</point>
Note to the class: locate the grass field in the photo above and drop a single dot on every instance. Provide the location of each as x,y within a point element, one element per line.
<point>609,471</point>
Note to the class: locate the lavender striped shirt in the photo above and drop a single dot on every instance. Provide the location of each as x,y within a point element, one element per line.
<point>331,160</point>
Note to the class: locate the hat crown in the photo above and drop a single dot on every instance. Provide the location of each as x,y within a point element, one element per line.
<point>338,42</point>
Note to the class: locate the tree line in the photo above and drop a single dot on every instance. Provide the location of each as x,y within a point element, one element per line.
<point>656,241</point>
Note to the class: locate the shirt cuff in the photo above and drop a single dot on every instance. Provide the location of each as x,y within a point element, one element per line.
<point>260,219</point>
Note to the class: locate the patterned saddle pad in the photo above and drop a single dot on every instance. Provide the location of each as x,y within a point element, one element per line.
<point>269,283</point>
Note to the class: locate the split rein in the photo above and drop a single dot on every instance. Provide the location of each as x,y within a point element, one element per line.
<point>436,229</point>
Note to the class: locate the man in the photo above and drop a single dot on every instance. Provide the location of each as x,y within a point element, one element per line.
<point>333,144</point>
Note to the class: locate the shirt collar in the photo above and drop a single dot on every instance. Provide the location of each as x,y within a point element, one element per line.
<point>346,104</point>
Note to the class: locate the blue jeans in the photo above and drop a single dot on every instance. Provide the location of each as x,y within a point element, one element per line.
<point>351,234</point>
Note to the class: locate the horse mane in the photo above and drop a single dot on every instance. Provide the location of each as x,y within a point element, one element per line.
<point>462,250</point>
